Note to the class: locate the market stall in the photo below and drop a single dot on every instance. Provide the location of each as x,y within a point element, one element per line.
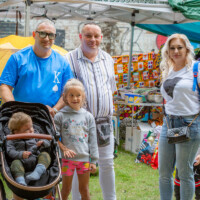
<point>141,104</point>
<point>144,79</point>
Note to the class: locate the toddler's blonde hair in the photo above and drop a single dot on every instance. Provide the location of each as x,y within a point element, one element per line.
<point>17,120</point>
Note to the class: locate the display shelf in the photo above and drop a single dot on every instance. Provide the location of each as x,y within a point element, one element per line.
<point>138,104</point>
<point>142,105</point>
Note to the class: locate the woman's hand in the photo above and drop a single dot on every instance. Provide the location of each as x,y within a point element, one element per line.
<point>197,160</point>
<point>92,168</point>
<point>26,154</point>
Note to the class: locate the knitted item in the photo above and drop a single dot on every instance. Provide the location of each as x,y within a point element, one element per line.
<point>45,159</point>
<point>37,173</point>
<point>21,180</point>
<point>17,169</point>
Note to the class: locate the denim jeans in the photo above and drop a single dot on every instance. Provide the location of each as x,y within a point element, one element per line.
<point>182,154</point>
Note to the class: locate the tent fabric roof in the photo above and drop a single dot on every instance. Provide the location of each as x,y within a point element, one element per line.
<point>146,11</point>
<point>191,30</point>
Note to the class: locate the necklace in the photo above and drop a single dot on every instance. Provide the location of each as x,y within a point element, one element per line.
<point>175,68</point>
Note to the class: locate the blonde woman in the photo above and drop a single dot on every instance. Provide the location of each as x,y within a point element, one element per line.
<point>182,106</point>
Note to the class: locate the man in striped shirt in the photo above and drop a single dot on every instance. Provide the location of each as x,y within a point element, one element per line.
<point>95,68</point>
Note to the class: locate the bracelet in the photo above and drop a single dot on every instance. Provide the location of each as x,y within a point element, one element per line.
<point>55,110</point>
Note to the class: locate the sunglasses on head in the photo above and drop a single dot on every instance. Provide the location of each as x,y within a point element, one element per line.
<point>42,34</point>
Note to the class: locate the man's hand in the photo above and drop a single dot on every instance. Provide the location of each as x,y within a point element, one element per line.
<point>39,143</point>
<point>26,154</point>
<point>92,168</point>
<point>51,110</point>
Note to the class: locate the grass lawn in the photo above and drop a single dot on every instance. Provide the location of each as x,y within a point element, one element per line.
<point>134,181</point>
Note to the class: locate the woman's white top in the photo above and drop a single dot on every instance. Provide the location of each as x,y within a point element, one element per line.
<point>177,91</point>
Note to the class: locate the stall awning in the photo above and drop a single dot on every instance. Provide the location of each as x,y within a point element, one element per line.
<point>192,30</point>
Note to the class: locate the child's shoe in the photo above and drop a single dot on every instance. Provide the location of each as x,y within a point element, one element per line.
<point>37,173</point>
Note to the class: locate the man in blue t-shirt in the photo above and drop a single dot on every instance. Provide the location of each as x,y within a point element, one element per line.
<point>36,74</point>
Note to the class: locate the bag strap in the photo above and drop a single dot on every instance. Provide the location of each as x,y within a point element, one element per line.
<point>187,125</point>
<point>193,120</point>
<point>195,74</point>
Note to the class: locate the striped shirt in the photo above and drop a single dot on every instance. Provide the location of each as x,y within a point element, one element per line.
<point>98,79</point>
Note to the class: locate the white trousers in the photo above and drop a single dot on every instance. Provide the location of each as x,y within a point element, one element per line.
<point>106,174</point>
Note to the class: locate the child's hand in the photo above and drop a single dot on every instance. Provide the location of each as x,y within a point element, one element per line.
<point>26,154</point>
<point>68,153</point>
<point>197,160</point>
<point>92,168</point>
<point>39,143</point>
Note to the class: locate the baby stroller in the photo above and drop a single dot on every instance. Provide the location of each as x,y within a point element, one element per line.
<point>42,123</point>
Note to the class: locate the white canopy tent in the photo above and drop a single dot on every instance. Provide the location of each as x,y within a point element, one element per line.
<point>148,11</point>
<point>130,11</point>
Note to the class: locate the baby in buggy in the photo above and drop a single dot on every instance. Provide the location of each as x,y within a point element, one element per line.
<point>27,155</point>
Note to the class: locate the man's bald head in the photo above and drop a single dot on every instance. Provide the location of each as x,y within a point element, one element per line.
<point>89,24</point>
<point>90,37</point>
<point>45,22</point>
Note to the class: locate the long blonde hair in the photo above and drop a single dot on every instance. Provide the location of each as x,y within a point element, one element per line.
<point>167,63</point>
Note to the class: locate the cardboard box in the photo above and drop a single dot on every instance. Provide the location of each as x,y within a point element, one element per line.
<point>132,98</point>
<point>132,139</point>
<point>135,135</point>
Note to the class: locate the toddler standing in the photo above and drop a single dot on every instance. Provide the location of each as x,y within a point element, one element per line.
<point>78,139</point>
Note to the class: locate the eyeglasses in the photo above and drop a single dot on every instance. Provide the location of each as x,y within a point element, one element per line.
<point>43,35</point>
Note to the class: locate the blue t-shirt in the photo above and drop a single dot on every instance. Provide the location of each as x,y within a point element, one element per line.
<point>35,79</point>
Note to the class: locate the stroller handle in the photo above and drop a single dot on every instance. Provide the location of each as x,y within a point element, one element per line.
<point>28,136</point>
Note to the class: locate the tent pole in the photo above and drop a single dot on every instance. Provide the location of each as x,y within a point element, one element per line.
<point>27,17</point>
<point>131,50</point>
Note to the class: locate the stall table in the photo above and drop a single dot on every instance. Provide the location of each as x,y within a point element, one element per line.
<point>116,102</point>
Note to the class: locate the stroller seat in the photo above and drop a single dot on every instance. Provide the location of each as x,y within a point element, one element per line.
<point>42,123</point>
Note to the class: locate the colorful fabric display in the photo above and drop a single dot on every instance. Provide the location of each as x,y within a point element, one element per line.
<point>145,153</point>
<point>144,71</point>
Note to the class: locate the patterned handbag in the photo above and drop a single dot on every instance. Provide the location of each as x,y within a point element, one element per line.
<point>178,135</point>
